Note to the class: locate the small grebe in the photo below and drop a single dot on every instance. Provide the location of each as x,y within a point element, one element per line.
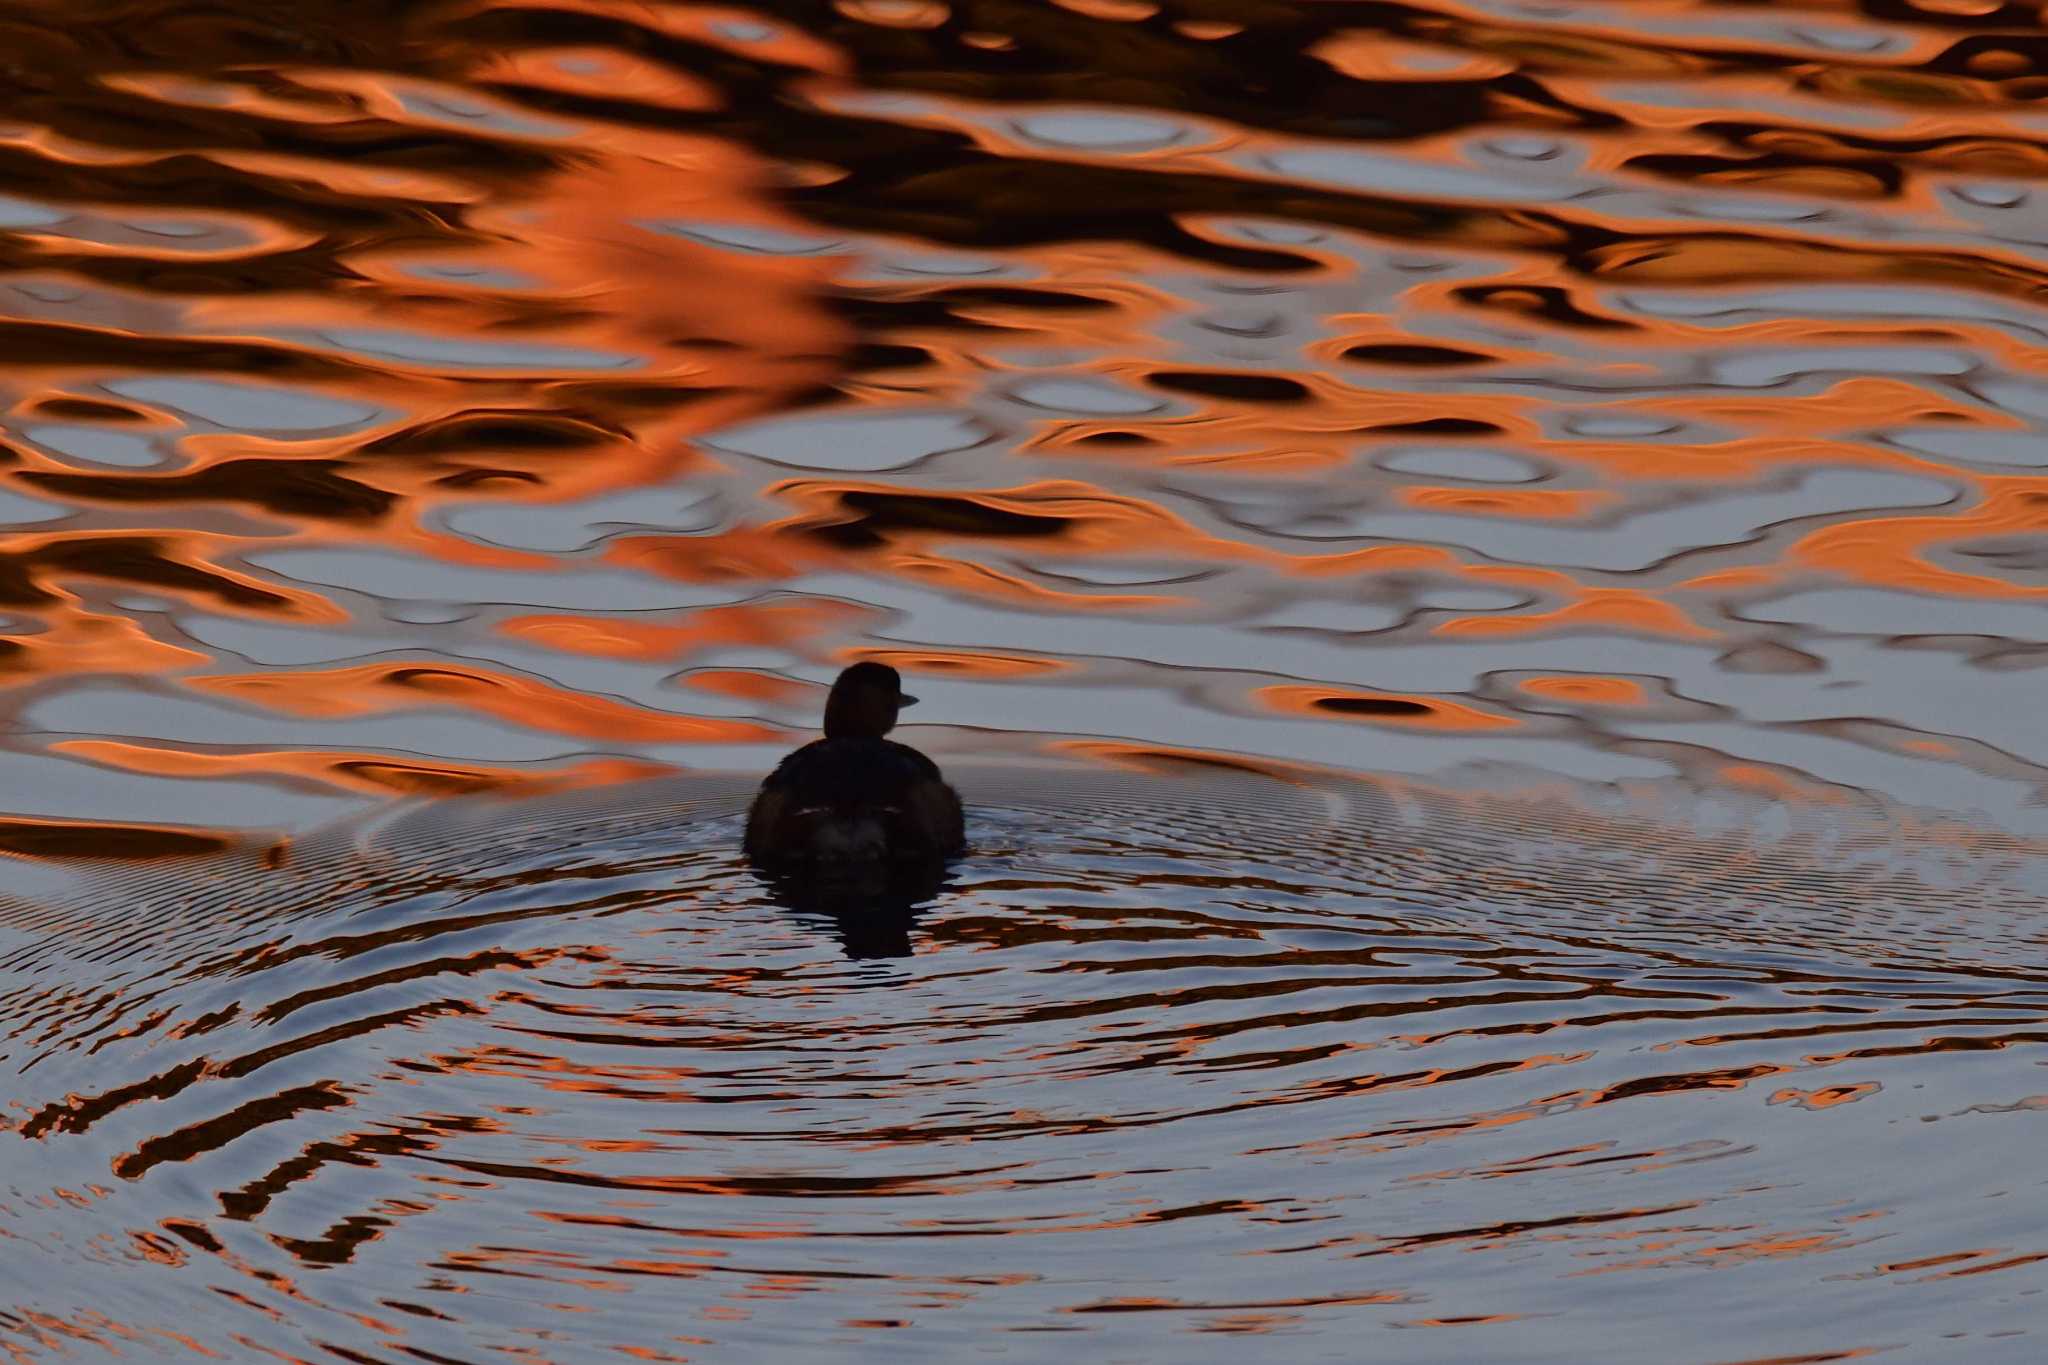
<point>854,797</point>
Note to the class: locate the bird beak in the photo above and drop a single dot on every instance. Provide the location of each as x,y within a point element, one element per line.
<point>905,699</point>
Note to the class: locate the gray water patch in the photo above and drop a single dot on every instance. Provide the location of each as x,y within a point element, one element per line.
<point>1137,713</point>
<point>1470,599</point>
<point>97,445</point>
<point>1906,778</point>
<point>1974,444</point>
<point>1990,196</point>
<point>1524,147</point>
<point>417,348</point>
<point>1282,234</point>
<point>865,441</point>
<point>1682,26</point>
<point>1765,368</point>
<point>760,241</point>
<point>951,267</point>
<point>1840,39</point>
<point>1768,656</point>
<point>1754,209</point>
<point>428,613</point>
<point>452,110</point>
<point>280,646</point>
<point>1637,542</point>
<point>1453,462</point>
<point>396,577</point>
<point>24,213</point>
<point>2019,560</point>
<point>173,227</point>
<point>194,235</point>
<point>1427,665</point>
<point>246,407</point>
<point>1617,425</point>
<point>1245,324</point>
<point>2025,396</point>
<point>47,291</point>
<point>1342,617</point>
<point>1735,308</point>
<point>1879,611</point>
<point>1122,573</point>
<point>1093,132</point>
<point>1091,397</point>
<point>1937,692</point>
<point>483,277</point>
<point>1674,304</point>
<point>1168,640</point>
<point>16,510</point>
<point>1708,100</point>
<point>1396,175</point>
<point>562,527</point>
<point>434,730</point>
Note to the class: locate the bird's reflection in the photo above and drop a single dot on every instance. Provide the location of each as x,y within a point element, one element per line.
<point>870,906</point>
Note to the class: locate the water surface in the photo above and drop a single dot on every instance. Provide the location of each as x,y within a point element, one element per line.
<point>1482,565</point>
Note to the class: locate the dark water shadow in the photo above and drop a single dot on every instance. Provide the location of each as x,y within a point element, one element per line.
<point>870,908</point>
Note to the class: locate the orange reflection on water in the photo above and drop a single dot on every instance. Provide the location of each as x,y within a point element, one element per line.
<point>1581,687</point>
<point>1826,1097</point>
<point>369,688</point>
<point>1781,783</point>
<point>84,642</point>
<point>371,773</point>
<point>1541,503</point>
<point>796,624</point>
<point>599,72</point>
<point>1115,11</point>
<point>1615,610</point>
<point>512,317</point>
<point>180,565</point>
<point>747,685</point>
<point>744,33</point>
<point>1370,55</point>
<point>1888,551</point>
<point>1159,758</point>
<point>744,554</point>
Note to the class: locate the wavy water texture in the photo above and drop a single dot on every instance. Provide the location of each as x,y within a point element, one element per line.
<point>1623,407</point>
<point>428,398</point>
<point>564,1081</point>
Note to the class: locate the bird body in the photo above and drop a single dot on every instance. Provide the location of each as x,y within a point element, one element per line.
<point>854,798</point>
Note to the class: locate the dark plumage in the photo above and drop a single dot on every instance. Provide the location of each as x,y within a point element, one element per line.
<point>854,798</point>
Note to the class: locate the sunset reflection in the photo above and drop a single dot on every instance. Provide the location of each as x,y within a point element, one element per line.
<point>1478,567</point>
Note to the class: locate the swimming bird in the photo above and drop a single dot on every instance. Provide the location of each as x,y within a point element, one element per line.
<point>854,799</point>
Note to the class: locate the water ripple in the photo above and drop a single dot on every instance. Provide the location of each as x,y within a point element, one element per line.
<point>1626,422</point>
<point>1396,1044</point>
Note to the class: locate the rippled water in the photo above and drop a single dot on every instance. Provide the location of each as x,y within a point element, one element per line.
<point>1481,565</point>
<point>1173,1056</point>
